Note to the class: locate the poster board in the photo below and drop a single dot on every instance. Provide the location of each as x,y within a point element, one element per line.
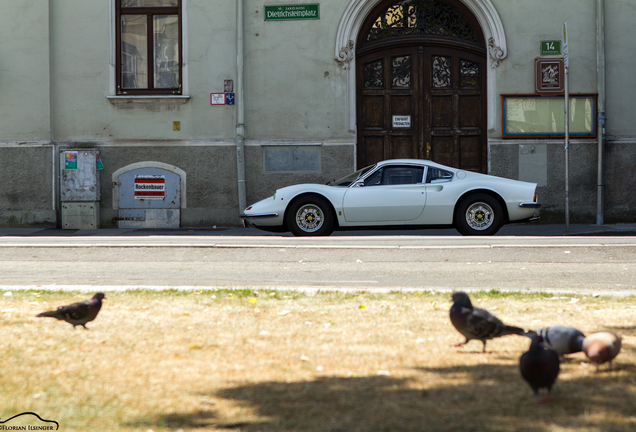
<point>537,116</point>
<point>549,75</point>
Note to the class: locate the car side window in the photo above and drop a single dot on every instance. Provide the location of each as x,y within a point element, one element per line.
<point>375,178</point>
<point>436,175</point>
<point>395,175</point>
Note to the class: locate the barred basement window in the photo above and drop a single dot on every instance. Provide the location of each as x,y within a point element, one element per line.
<point>149,49</point>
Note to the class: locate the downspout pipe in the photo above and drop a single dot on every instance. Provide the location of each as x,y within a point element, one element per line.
<point>600,85</point>
<point>54,147</point>
<point>240,107</point>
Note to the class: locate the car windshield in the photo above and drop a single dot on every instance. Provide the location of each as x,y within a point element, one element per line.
<point>350,178</point>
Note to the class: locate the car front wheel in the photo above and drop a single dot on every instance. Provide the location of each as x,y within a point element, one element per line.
<point>478,214</point>
<point>310,216</point>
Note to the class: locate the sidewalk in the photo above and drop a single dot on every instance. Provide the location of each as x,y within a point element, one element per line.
<point>526,229</point>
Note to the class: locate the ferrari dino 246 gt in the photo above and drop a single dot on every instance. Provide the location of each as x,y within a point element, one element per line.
<point>401,193</point>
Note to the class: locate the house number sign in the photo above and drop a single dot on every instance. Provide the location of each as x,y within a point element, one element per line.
<point>550,47</point>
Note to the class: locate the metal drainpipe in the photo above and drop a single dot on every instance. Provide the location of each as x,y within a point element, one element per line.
<point>240,108</point>
<point>54,147</point>
<point>600,85</point>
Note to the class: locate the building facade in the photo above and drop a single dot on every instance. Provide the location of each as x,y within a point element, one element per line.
<point>197,108</point>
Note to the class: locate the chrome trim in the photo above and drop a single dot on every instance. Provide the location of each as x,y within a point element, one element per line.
<point>244,216</point>
<point>529,205</point>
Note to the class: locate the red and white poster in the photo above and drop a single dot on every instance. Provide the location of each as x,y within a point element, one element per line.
<point>150,187</point>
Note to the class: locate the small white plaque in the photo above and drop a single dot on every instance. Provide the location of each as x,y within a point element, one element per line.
<point>217,98</point>
<point>401,121</point>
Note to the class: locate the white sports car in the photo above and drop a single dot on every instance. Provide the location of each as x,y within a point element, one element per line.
<point>401,193</point>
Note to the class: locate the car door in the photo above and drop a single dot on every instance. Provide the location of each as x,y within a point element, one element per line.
<point>391,194</point>
<point>441,196</point>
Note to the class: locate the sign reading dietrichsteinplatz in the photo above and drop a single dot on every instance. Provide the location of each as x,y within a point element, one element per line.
<point>292,12</point>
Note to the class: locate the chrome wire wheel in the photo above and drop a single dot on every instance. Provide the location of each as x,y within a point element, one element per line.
<point>310,218</point>
<point>480,216</point>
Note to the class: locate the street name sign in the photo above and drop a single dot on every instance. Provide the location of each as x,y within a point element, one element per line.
<point>292,12</point>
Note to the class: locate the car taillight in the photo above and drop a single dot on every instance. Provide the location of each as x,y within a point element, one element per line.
<point>536,198</point>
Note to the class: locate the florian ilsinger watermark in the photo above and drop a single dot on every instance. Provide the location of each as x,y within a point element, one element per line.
<point>31,423</point>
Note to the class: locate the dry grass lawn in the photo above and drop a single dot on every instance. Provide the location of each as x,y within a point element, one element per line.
<point>213,361</point>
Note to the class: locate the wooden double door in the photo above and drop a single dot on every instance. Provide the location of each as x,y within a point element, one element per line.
<point>422,102</point>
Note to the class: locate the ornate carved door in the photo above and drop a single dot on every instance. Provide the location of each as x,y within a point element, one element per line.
<point>421,85</point>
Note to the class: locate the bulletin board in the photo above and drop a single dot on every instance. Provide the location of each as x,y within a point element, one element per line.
<point>538,116</point>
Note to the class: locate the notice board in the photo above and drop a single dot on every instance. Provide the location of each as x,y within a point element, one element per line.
<point>536,116</point>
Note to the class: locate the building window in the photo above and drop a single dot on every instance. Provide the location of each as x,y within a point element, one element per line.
<point>149,47</point>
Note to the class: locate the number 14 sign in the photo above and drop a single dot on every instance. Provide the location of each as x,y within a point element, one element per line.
<point>551,47</point>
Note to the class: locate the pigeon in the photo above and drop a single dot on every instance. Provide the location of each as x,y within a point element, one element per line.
<point>562,338</point>
<point>476,323</point>
<point>539,367</point>
<point>78,313</point>
<point>602,347</point>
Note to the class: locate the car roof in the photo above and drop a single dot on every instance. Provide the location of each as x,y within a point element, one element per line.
<point>416,161</point>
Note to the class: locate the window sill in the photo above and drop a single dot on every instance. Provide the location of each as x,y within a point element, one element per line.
<point>148,99</point>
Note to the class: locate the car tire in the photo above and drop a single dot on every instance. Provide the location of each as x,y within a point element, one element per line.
<point>310,216</point>
<point>478,214</point>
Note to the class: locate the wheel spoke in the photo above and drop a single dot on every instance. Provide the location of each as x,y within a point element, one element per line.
<point>479,216</point>
<point>309,218</point>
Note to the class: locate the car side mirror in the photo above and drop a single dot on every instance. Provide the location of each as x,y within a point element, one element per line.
<point>358,183</point>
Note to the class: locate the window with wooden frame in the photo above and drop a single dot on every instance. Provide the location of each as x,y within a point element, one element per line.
<point>149,48</point>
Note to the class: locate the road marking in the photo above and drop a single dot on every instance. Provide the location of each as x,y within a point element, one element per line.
<point>291,246</point>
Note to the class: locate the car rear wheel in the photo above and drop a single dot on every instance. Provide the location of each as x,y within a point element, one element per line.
<point>478,214</point>
<point>310,216</point>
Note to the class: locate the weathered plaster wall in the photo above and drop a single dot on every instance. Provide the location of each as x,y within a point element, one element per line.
<point>24,71</point>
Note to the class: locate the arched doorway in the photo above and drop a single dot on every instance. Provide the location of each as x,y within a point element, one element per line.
<point>421,84</point>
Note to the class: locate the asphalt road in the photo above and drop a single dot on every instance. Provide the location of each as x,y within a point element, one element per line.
<point>603,264</point>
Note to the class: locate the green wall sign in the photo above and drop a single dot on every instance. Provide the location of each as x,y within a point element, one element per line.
<point>292,12</point>
<point>551,47</point>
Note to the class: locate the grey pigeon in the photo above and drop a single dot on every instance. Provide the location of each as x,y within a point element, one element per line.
<point>602,347</point>
<point>78,313</point>
<point>562,338</point>
<point>476,323</point>
<point>539,367</point>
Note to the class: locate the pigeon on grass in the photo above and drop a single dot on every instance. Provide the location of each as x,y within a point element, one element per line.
<point>539,367</point>
<point>476,323</point>
<point>78,313</point>
<point>562,338</point>
<point>602,347</point>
